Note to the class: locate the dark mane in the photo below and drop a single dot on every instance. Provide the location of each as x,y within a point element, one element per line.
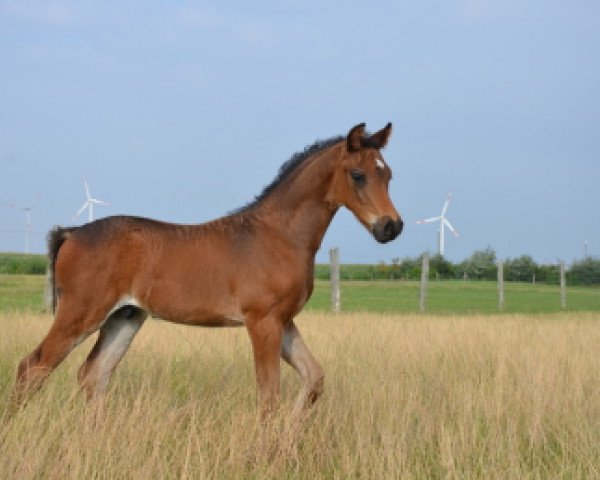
<point>290,166</point>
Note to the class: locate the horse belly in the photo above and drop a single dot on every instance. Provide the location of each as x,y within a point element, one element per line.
<point>193,303</point>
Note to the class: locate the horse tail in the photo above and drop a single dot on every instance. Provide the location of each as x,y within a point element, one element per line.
<point>56,237</point>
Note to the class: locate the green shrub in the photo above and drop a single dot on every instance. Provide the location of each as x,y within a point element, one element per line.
<point>22,263</point>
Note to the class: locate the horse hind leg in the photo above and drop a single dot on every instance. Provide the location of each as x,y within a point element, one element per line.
<point>295,352</point>
<point>114,339</point>
<point>71,326</point>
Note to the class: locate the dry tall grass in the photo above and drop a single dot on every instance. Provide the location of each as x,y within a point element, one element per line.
<point>406,396</point>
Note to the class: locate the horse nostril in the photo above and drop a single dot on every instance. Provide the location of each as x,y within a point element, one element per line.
<point>389,229</point>
<point>400,226</point>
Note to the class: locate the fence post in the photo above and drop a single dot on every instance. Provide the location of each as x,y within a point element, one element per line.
<point>334,276</point>
<point>500,266</point>
<point>563,286</point>
<point>424,278</point>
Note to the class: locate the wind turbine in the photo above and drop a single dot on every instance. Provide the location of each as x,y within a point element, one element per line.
<point>27,209</point>
<point>443,222</point>
<point>89,203</point>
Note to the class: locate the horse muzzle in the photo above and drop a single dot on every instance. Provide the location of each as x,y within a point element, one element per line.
<point>386,229</point>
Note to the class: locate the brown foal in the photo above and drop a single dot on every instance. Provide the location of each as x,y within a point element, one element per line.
<point>253,268</point>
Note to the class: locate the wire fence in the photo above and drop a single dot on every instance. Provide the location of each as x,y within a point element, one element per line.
<point>399,289</point>
<point>549,274</point>
<point>424,287</point>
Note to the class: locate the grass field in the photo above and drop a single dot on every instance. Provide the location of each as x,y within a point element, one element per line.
<point>21,292</point>
<point>411,396</point>
<point>454,296</point>
<point>24,292</point>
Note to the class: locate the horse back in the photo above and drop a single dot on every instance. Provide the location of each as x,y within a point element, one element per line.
<point>198,274</point>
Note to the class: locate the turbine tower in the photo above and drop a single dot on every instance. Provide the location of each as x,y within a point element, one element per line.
<point>27,211</point>
<point>443,222</point>
<point>28,228</point>
<point>89,203</point>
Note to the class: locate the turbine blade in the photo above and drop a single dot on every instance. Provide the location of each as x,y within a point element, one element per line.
<point>451,228</point>
<point>446,203</point>
<point>81,210</point>
<point>100,202</point>
<point>87,189</point>
<point>429,220</point>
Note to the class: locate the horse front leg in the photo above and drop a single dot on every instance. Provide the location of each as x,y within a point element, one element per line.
<point>266,335</point>
<point>295,352</point>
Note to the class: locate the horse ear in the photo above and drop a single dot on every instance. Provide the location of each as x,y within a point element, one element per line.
<point>355,136</point>
<point>380,139</point>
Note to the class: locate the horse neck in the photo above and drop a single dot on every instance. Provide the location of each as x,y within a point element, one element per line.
<point>299,205</point>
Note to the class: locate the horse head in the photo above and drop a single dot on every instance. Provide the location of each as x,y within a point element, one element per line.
<point>361,180</point>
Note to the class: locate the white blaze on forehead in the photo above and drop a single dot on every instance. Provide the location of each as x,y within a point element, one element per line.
<point>380,163</point>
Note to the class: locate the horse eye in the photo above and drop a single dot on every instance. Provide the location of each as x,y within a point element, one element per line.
<point>358,177</point>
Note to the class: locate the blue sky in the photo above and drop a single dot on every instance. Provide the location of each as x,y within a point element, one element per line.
<point>183,111</point>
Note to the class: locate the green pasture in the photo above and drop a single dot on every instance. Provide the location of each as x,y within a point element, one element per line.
<point>454,297</point>
<point>22,292</point>
<point>25,292</point>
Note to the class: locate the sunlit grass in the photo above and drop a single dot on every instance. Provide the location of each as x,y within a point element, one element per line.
<point>406,397</point>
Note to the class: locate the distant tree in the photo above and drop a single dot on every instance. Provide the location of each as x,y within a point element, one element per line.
<point>521,269</point>
<point>382,271</point>
<point>439,267</point>
<point>481,265</point>
<point>410,268</point>
<point>549,274</point>
<point>585,272</point>
<point>396,269</point>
